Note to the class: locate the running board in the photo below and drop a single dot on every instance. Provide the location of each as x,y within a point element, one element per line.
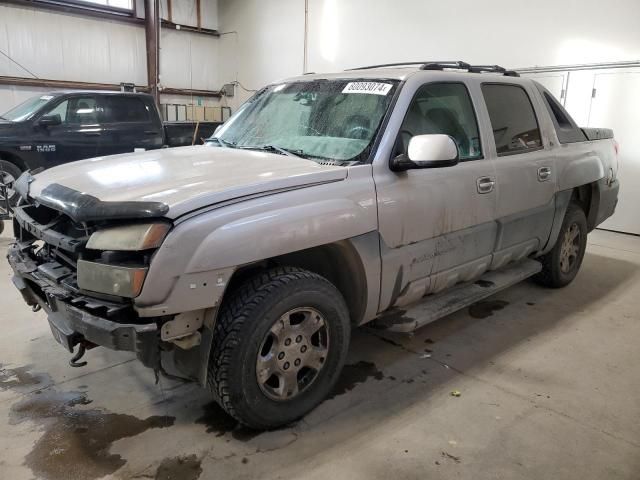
<point>433,307</point>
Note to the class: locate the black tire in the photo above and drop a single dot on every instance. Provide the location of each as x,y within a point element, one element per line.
<point>14,171</point>
<point>246,318</point>
<point>554,274</point>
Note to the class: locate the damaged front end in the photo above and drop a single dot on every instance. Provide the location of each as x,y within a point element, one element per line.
<point>84,261</point>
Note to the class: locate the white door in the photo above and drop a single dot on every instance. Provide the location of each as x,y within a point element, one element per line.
<point>616,104</point>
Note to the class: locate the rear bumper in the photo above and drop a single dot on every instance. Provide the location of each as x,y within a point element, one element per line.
<point>71,325</point>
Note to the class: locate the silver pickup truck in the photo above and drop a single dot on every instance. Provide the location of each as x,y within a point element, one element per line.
<point>395,193</point>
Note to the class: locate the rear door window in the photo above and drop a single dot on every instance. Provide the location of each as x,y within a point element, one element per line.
<point>125,110</point>
<point>514,123</point>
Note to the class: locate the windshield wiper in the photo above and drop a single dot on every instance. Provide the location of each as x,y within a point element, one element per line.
<point>222,143</point>
<point>274,148</point>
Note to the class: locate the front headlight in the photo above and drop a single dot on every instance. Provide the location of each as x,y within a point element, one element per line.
<point>129,238</point>
<point>111,279</point>
<point>120,245</point>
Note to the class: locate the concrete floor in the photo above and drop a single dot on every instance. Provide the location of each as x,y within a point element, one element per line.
<point>549,383</point>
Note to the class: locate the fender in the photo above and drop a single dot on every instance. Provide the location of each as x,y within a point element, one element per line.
<point>196,261</point>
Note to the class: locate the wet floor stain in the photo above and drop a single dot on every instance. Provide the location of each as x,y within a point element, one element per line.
<point>179,468</point>
<point>21,379</point>
<point>390,318</point>
<point>76,441</point>
<point>485,283</point>
<point>531,303</point>
<point>220,423</point>
<point>486,308</point>
<point>354,374</point>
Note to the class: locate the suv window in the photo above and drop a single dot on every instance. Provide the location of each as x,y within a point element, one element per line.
<point>514,123</point>
<point>442,108</point>
<point>557,111</point>
<point>125,109</point>
<point>77,110</point>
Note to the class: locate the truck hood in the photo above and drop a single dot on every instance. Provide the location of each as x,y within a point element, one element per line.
<point>178,179</point>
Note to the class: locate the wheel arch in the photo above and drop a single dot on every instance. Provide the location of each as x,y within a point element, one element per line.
<point>13,158</point>
<point>588,197</point>
<point>339,262</point>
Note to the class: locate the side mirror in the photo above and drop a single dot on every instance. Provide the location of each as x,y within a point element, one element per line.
<point>427,151</point>
<point>49,120</point>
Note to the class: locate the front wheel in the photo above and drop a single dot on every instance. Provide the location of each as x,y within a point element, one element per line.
<point>560,266</point>
<point>279,345</point>
<point>9,173</point>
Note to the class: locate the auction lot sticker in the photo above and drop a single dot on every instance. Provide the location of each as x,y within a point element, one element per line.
<point>375,88</point>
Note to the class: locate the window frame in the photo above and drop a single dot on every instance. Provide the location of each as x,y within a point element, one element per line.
<point>98,7</point>
<point>474,109</point>
<point>535,116</point>
<point>46,109</point>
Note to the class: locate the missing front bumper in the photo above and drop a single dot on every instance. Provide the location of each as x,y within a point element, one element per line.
<point>71,325</point>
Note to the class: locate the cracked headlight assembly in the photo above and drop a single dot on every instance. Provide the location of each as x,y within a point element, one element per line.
<point>116,280</point>
<point>129,238</point>
<point>123,280</point>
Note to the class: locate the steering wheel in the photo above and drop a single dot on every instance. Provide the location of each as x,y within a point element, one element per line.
<point>359,132</point>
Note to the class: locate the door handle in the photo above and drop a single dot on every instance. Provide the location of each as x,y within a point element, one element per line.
<point>544,173</point>
<point>92,134</point>
<point>485,184</point>
<point>151,132</point>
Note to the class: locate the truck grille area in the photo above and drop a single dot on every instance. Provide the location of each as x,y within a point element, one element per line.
<point>48,247</point>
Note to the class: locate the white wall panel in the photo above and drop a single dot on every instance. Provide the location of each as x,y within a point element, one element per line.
<point>345,34</point>
<point>74,47</point>
<point>268,43</point>
<point>183,12</point>
<point>70,47</point>
<point>189,60</point>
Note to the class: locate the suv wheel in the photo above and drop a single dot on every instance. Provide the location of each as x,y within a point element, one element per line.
<point>279,345</point>
<point>9,173</point>
<point>560,266</point>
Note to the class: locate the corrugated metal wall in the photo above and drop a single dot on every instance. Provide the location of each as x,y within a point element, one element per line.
<point>79,48</point>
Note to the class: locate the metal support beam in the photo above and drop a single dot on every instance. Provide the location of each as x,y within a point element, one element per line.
<point>65,84</point>
<point>73,85</point>
<point>152,35</point>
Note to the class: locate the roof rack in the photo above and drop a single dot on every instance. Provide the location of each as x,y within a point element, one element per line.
<point>457,64</point>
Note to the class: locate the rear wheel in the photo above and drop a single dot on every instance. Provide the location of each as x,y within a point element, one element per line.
<point>9,173</point>
<point>279,345</point>
<point>560,266</point>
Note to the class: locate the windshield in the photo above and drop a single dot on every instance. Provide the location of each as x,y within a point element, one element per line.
<point>321,119</point>
<point>26,109</point>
